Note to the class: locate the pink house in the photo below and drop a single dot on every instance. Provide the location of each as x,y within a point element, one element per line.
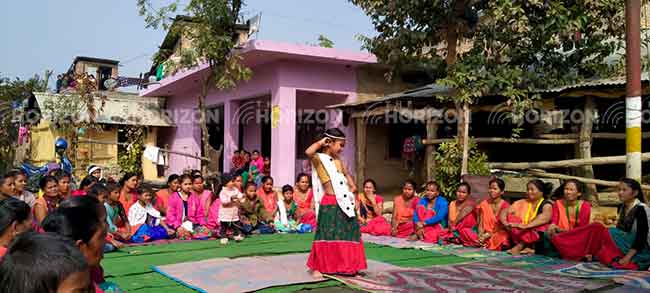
<point>279,111</point>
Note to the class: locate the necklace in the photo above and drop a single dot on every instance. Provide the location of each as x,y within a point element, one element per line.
<point>566,209</point>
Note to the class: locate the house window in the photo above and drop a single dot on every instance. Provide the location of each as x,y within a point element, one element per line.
<point>307,131</point>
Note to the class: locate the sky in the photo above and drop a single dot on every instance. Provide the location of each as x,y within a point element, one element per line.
<point>47,34</point>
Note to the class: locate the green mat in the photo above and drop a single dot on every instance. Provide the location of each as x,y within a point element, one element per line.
<point>129,267</point>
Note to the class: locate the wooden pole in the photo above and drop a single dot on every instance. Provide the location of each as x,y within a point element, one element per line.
<point>161,149</point>
<point>565,163</point>
<point>464,163</point>
<point>581,179</point>
<point>361,138</point>
<point>506,140</point>
<point>633,114</point>
<point>583,149</point>
<point>432,133</point>
<point>595,135</point>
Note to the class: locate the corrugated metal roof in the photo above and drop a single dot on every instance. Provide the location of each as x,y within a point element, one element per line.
<point>122,109</point>
<point>618,81</point>
<point>426,91</point>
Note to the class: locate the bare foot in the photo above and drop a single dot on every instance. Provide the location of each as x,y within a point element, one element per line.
<point>516,250</point>
<point>316,274</point>
<point>589,257</point>
<point>413,237</point>
<point>528,251</point>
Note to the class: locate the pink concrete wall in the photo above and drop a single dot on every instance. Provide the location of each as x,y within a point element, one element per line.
<point>186,137</point>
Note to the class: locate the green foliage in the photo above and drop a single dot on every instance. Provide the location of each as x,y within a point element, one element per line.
<point>130,156</point>
<point>505,47</point>
<point>14,91</point>
<point>448,159</point>
<point>324,42</point>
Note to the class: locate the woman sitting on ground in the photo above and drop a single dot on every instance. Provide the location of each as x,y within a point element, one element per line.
<point>369,211</point>
<point>569,213</point>
<point>267,195</point>
<point>20,181</point>
<point>86,185</point>
<point>402,225</point>
<point>626,246</point>
<point>491,232</point>
<point>185,212</point>
<point>64,185</point>
<point>129,192</point>
<point>15,218</point>
<point>304,198</point>
<point>47,203</point>
<point>430,215</point>
<point>462,218</point>
<point>162,196</point>
<point>198,187</point>
<point>526,218</point>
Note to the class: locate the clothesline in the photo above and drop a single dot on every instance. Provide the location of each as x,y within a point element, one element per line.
<point>161,149</point>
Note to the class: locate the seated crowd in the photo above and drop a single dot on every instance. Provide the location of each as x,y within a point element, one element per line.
<point>102,215</point>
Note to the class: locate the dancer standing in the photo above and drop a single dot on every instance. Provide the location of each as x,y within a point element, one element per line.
<point>337,246</point>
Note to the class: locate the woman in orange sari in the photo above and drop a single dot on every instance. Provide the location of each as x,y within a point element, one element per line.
<point>527,218</point>
<point>491,233</point>
<point>369,211</point>
<point>402,225</point>
<point>462,218</point>
<point>569,212</point>
<point>304,199</point>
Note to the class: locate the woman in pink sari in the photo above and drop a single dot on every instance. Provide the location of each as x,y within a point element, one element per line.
<point>462,218</point>
<point>369,211</point>
<point>304,199</point>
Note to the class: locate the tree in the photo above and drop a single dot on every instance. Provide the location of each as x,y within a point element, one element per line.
<point>212,31</point>
<point>12,94</point>
<point>324,42</point>
<point>504,47</point>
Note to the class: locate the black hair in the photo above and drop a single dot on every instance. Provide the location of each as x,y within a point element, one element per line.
<point>374,184</point>
<point>62,175</point>
<point>12,210</point>
<point>635,186</point>
<point>469,188</point>
<point>98,189</point>
<point>247,152</point>
<point>45,180</point>
<point>300,175</point>
<point>144,190</point>
<point>87,181</point>
<point>559,192</point>
<point>127,176</point>
<point>16,173</point>
<point>171,178</point>
<point>433,183</point>
<point>195,173</point>
<point>227,177</point>
<point>197,177</point>
<point>236,152</point>
<point>411,182</point>
<point>110,187</point>
<point>334,132</point>
<point>544,187</point>
<point>500,183</point>
<point>184,177</point>
<point>39,262</point>
<point>287,188</point>
<point>266,178</point>
<point>76,218</point>
<point>4,178</point>
<point>249,184</point>
<point>256,151</point>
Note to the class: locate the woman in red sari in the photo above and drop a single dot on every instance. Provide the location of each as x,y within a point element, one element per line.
<point>462,218</point>
<point>402,225</point>
<point>526,218</point>
<point>569,212</point>
<point>304,198</point>
<point>491,233</point>
<point>369,211</point>
<point>129,192</point>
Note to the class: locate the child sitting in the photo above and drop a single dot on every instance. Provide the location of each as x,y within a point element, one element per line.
<point>100,192</point>
<point>146,220</point>
<point>185,212</point>
<point>230,197</point>
<point>285,218</point>
<point>252,213</point>
<point>118,222</point>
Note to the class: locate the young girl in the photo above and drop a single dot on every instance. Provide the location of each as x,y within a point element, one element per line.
<point>239,183</point>
<point>285,219</point>
<point>64,185</point>
<point>625,246</point>
<point>402,225</point>
<point>86,184</point>
<point>525,218</point>
<point>337,246</point>
<point>252,213</point>
<point>369,210</point>
<point>7,186</point>
<point>116,217</point>
<point>491,233</point>
<point>268,196</point>
<point>146,220</point>
<point>304,198</point>
<point>229,211</point>
<point>128,192</point>
<point>185,212</point>
<point>204,195</point>
<point>462,217</point>
<point>44,262</point>
<point>49,201</point>
<point>430,216</point>
<point>162,196</point>
<point>20,181</point>
<point>15,218</point>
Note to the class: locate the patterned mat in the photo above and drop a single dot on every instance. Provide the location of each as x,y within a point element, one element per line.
<point>247,273</point>
<point>395,242</point>
<point>639,279</point>
<point>470,277</point>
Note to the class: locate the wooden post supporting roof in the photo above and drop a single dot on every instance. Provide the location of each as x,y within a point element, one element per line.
<point>361,138</point>
<point>583,148</point>
<point>432,133</point>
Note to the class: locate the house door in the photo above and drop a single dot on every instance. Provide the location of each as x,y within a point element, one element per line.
<point>215,122</point>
